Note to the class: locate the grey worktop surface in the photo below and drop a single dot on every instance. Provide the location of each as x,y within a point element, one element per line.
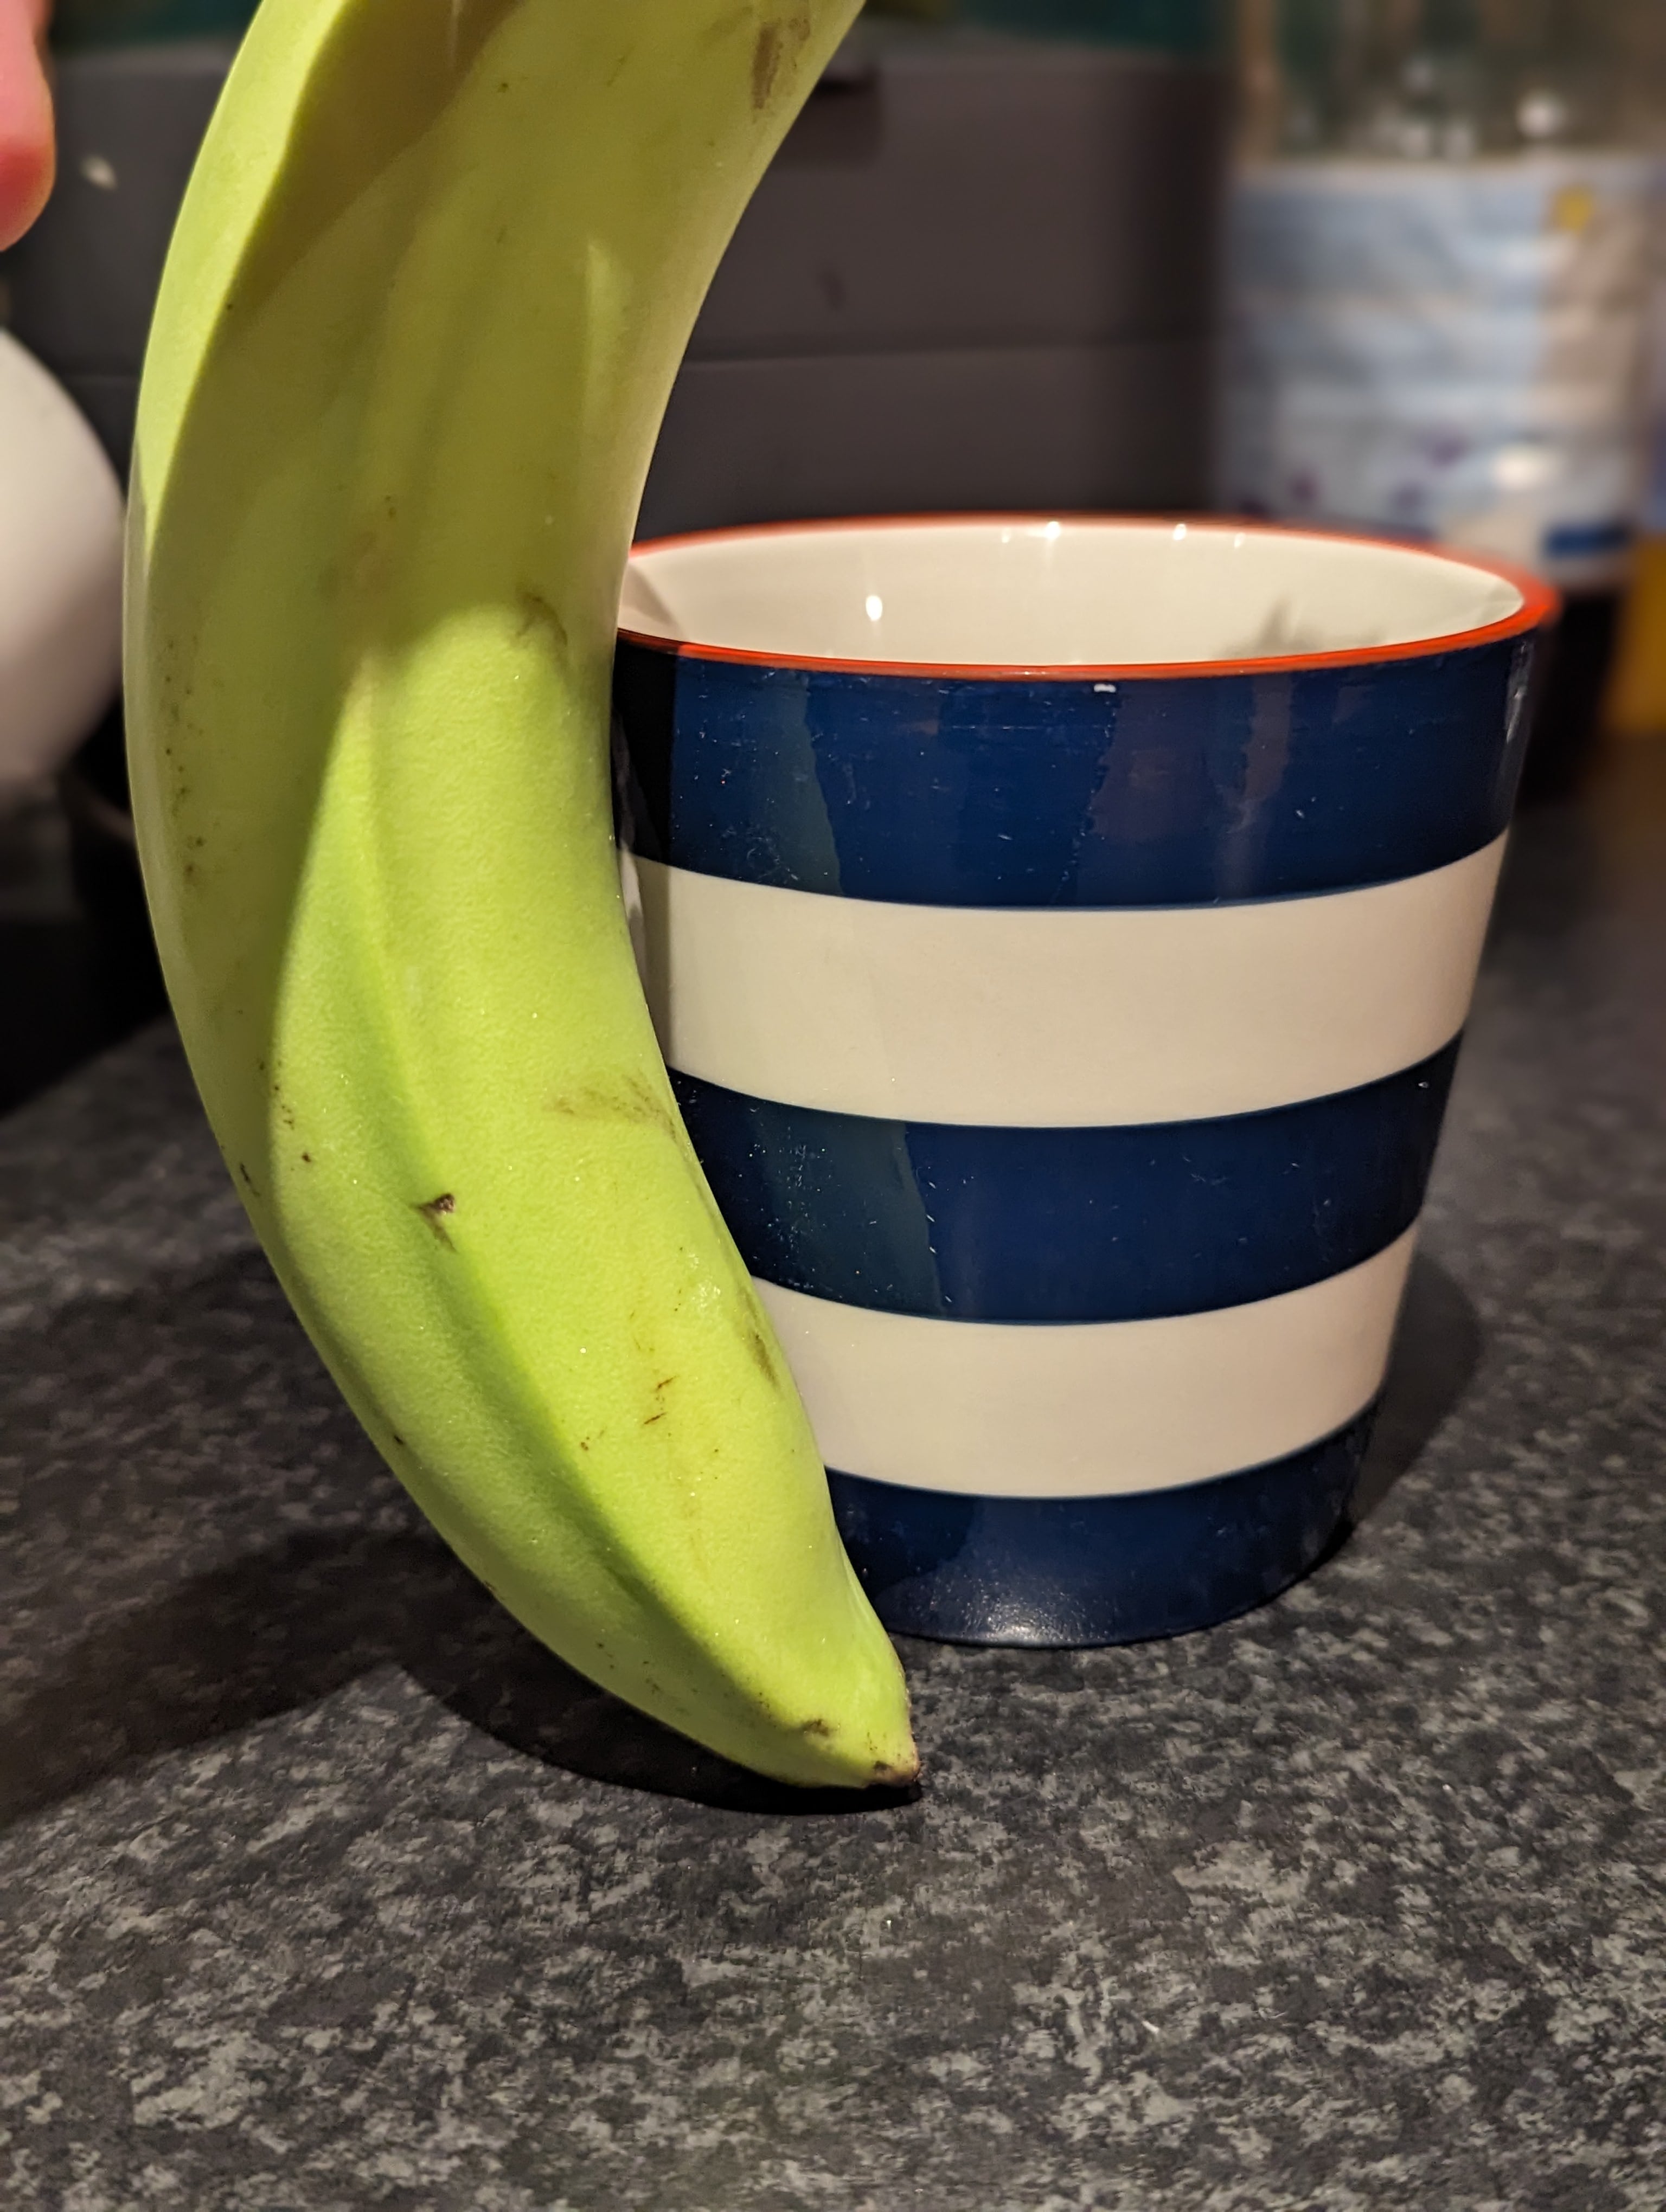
<point>323,1888</point>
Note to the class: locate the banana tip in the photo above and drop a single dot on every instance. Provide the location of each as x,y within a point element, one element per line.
<point>888,1775</point>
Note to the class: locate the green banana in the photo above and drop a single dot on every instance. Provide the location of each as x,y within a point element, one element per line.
<point>431,282</point>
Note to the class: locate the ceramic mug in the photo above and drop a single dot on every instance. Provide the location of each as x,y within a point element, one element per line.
<point>1060,934</point>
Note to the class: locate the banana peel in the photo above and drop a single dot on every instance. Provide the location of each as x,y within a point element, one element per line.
<point>431,282</point>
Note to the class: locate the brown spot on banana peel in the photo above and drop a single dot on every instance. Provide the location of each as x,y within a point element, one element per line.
<point>766,64</point>
<point>884,1776</point>
<point>894,1777</point>
<point>777,43</point>
<point>536,613</point>
<point>434,1212</point>
<point>758,1345</point>
<point>632,1100</point>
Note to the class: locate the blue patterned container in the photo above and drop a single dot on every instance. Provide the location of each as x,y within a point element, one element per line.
<point>1060,934</point>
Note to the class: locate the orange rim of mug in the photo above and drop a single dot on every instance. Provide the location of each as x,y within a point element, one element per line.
<point>1541,605</point>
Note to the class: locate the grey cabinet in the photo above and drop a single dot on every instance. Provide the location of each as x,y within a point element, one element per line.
<point>981,273</point>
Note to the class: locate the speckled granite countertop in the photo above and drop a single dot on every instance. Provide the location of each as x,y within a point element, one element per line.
<point>323,1888</point>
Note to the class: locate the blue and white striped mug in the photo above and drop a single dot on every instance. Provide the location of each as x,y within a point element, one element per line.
<point>1060,934</point>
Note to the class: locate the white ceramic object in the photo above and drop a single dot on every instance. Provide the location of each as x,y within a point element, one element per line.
<point>1014,594</point>
<point>1060,932</point>
<point>61,512</point>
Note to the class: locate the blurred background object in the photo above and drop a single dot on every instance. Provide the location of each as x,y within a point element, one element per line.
<point>84,26</point>
<point>80,287</point>
<point>60,576</point>
<point>987,271</point>
<point>78,968</point>
<point>60,655</point>
<point>1440,269</point>
<point>984,271</point>
<point>1199,28</point>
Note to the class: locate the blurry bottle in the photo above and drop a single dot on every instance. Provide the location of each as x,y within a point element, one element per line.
<point>1637,703</point>
<point>1440,268</point>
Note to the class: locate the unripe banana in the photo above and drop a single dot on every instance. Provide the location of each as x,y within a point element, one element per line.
<point>430,285</point>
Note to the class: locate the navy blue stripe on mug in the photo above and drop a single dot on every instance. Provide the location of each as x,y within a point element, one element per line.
<point>1085,1570</point>
<point>1043,792</point>
<point>966,1223</point>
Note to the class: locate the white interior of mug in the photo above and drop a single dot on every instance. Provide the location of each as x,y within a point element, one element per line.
<point>1021,593</point>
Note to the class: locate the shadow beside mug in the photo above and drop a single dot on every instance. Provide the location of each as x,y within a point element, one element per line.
<point>299,1616</point>
<point>1437,1351</point>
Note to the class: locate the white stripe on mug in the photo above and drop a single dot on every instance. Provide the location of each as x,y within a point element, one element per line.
<point>1087,1410</point>
<point>1066,1016</point>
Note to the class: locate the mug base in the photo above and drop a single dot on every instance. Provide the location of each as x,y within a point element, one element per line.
<point>1064,1572</point>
